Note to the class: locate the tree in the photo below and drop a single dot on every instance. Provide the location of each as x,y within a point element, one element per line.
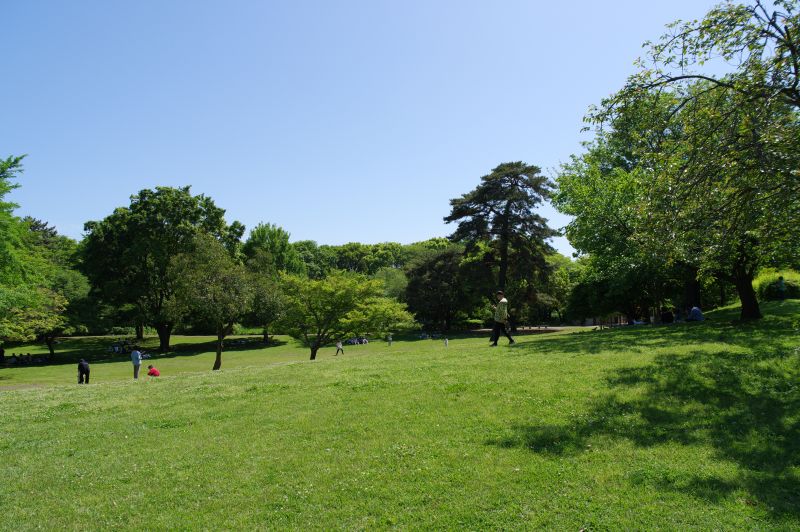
<point>66,289</point>
<point>127,254</point>
<point>501,211</point>
<point>210,285</point>
<point>565,275</point>
<point>727,170</point>
<point>268,303</point>
<point>728,184</point>
<point>394,282</point>
<point>436,292</point>
<point>342,304</point>
<point>604,191</point>
<point>16,286</point>
<point>759,46</point>
<point>317,260</point>
<point>29,306</point>
<point>268,249</point>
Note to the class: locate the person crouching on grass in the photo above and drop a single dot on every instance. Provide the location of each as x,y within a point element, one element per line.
<point>152,371</point>
<point>500,319</point>
<point>83,372</point>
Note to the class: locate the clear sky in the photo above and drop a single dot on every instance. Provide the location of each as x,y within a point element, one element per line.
<point>341,121</point>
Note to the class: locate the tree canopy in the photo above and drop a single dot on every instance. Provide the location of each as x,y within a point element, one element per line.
<point>343,304</point>
<point>126,255</point>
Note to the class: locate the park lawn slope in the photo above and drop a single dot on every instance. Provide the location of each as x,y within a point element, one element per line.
<point>653,427</point>
<point>189,354</point>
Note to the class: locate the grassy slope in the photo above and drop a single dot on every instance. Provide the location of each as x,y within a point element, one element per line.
<point>191,354</point>
<point>667,427</point>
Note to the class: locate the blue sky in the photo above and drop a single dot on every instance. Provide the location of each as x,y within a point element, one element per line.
<point>339,121</point>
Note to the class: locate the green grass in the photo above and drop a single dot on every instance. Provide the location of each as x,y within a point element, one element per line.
<point>674,427</point>
<point>190,354</point>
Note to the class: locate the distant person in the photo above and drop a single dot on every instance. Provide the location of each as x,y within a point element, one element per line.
<point>390,340</point>
<point>339,347</point>
<point>667,316</point>
<point>781,288</point>
<point>152,371</point>
<point>695,315</point>
<point>83,372</point>
<point>446,343</point>
<point>500,320</point>
<point>136,360</point>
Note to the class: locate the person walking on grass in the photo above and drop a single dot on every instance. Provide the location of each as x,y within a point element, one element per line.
<point>500,320</point>
<point>339,347</point>
<point>83,372</point>
<point>136,360</point>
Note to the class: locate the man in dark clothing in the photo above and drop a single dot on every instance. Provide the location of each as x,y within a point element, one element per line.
<point>83,372</point>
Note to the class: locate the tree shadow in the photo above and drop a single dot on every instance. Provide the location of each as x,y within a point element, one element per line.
<point>745,407</point>
<point>95,350</point>
<point>755,335</point>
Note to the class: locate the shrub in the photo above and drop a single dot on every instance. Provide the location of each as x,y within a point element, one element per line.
<point>766,284</point>
<point>122,331</point>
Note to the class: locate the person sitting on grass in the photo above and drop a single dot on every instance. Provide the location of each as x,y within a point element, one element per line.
<point>152,371</point>
<point>695,315</point>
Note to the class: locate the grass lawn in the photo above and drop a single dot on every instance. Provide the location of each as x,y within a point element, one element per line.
<point>673,427</point>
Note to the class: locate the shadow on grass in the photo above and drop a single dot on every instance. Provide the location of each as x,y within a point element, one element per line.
<point>743,406</point>
<point>782,318</point>
<point>95,350</point>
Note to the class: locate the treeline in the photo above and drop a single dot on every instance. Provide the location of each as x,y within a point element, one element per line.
<point>170,261</point>
<point>688,190</point>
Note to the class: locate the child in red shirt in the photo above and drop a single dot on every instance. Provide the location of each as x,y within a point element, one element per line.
<point>153,372</point>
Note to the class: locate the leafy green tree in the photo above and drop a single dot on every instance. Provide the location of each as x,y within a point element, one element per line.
<point>319,311</point>
<point>63,311</point>
<point>268,303</point>
<point>436,291</point>
<point>757,44</point>
<point>211,286</point>
<point>127,254</point>
<point>501,211</point>
<point>394,282</point>
<point>564,277</point>
<point>317,260</point>
<point>728,185</point>
<point>30,306</point>
<point>604,192</point>
<point>725,175</point>
<point>17,284</point>
<point>268,249</point>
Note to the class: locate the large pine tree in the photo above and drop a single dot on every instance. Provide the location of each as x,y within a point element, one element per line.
<point>500,212</point>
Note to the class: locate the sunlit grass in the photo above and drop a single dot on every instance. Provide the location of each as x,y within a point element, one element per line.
<point>685,426</point>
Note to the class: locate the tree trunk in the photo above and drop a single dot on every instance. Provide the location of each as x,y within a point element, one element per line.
<point>139,331</point>
<point>723,299</point>
<point>503,274</point>
<point>691,288</point>
<point>314,349</point>
<point>744,287</point>
<point>164,331</point>
<point>50,340</point>
<point>218,360</point>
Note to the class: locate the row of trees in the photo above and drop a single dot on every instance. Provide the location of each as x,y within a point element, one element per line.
<point>692,179</point>
<point>170,259</point>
